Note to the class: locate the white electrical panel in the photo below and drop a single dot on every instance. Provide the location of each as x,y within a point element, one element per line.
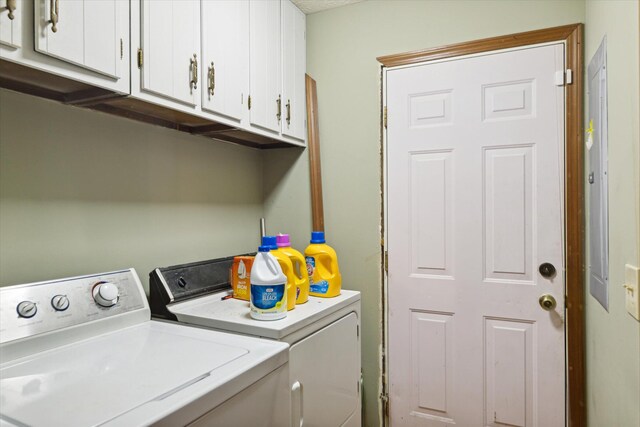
<point>597,178</point>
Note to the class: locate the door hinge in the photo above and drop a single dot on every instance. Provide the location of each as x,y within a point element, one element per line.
<point>564,78</point>
<point>121,49</point>
<point>139,58</point>
<point>249,102</point>
<point>386,261</point>
<point>384,117</point>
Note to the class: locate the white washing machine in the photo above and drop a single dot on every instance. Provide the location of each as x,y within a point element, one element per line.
<point>324,335</point>
<point>84,352</point>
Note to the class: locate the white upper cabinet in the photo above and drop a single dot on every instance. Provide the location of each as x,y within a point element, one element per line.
<point>266,104</point>
<point>235,68</point>
<point>82,40</point>
<point>225,57</point>
<point>293,71</point>
<point>89,34</point>
<point>170,56</point>
<point>10,23</point>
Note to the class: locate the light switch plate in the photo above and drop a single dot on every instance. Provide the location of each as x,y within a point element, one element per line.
<point>632,290</point>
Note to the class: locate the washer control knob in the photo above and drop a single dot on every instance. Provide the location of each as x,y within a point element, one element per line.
<point>27,309</point>
<point>60,302</point>
<point>105,294</point>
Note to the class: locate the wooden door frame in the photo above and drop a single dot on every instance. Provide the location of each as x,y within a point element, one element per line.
<point>572,37</point>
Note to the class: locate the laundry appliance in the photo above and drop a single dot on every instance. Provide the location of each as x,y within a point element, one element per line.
<point>324,335</point>
<point>83,351</point>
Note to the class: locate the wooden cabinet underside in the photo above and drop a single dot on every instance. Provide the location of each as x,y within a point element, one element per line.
<point>39,83</point>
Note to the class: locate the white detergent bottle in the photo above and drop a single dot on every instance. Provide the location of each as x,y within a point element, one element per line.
<point>268,287</point>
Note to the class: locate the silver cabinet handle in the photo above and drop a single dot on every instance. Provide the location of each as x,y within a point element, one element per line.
<point>11,6</point>
<point>279,113</point>
<point>194,71</point>
<point>54,13</point>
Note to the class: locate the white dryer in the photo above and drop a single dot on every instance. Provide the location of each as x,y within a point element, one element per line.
<point>84,352</point>
<point>324,335</point>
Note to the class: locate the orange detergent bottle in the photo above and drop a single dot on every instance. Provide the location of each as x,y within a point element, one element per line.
<point>299,267</point>
<point>287,269</point>
<point>241,277</point>
<point>322,265</point>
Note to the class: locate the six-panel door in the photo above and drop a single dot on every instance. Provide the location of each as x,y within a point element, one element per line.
<point>475,205</point>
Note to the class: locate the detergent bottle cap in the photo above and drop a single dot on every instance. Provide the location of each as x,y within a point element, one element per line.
<point>264,249</point>
<point>283,240</point>
<point>317,237</point>
<point>269,241</point>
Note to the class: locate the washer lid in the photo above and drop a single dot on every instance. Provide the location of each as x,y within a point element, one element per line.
<point>233,315</point>
<point>97,380</point>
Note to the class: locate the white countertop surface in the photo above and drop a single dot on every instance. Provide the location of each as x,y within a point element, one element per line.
<point>233,315</point>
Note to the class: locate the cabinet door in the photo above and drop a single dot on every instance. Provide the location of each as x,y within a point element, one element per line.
<point>10,23</point>
<point>264,64</point>
<point>294,68</point>
<point>325,375</point>
<point>87,33</point>
<point>225,57</point>
<point>170,47</point>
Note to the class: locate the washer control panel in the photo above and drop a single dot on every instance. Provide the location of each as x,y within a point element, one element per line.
<point>36,308</point>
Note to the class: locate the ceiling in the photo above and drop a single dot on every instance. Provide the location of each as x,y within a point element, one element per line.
<point>313,6</point>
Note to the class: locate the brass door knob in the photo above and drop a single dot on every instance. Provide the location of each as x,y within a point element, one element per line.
<point>547,302</point>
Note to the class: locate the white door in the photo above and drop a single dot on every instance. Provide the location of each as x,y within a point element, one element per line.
<point>475,154</point>
<point>11,23</point>
<point>294,65</point>
<point>87,33</point>
<point>264,64</point>
<point>171,49</point>
<point>225,57</point>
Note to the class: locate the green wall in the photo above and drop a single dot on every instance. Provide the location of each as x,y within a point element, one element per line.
<point>342,46</point>
<point>613,338</point>
<point>83,192</point>
<point>287,199</point>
